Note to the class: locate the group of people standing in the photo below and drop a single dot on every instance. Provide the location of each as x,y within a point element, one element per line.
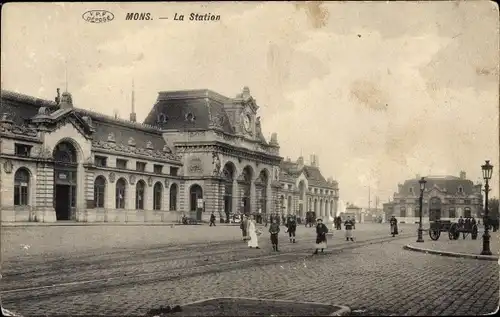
<point>251,233</point>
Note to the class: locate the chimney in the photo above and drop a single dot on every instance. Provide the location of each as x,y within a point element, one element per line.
<point>300,161</point>
<point>417,176</point>
<point>400,188</point>
<point>274,139</point>
<point>463,175</point>
<point>133,116</point>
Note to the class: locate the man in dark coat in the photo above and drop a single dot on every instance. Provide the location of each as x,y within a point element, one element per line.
<point>394,226</point>
<point>321,231</point>
<point>212,219</point>
<point>291,226</point>
<point>274,229</point>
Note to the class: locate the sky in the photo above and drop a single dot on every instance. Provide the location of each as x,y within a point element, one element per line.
<point>380,92</point>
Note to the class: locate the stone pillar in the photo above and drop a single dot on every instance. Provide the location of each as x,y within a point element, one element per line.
<point>253,202</point>
<point>269,198</point>
<point>235,199</point>
<point>183,203</point>
<point>44,196</point>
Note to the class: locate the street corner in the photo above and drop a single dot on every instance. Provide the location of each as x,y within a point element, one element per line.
<point>411,247</point>
<point>234,306</point>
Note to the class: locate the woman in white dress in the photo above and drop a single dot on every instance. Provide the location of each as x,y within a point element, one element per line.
<point>252,233</point>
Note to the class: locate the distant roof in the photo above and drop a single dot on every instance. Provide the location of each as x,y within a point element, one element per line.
<point>443,182</point>
<point>291,170</point>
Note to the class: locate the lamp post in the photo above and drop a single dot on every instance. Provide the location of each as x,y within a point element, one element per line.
<point>487,171</point>
<point>422,182</point>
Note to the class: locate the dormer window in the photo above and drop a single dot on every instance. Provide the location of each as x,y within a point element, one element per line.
<point>411,190</point>
<point>460,189</point>
<point>162,118</point>
<point>190,117</point>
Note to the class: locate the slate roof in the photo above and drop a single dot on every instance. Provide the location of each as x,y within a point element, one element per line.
<point>22,107</point>
<point>204,104</point>
<point>291,170</point>
<point>448,183</point>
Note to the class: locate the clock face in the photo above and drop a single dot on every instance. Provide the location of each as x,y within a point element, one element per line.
<point>246,122</point>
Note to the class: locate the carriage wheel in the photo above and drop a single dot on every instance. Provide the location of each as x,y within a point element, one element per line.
<point>434,234</point>
<point>474,232</point>
<point>453,233</point>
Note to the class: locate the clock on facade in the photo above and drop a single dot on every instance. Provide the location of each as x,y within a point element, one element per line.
<point>246,123</point>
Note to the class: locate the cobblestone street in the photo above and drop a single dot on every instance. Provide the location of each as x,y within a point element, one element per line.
<point>122,277</point>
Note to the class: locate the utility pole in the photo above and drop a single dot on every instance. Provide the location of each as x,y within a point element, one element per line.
<point>369,200</point>
<point>376,204</point>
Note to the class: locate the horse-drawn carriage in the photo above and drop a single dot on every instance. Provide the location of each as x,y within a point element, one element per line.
<point>454,229</point>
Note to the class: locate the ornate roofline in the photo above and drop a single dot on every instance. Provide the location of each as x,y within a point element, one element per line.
<point>15,96</point>
<point>118,121</point>
<point>38,102</point>
<point>192,94</point>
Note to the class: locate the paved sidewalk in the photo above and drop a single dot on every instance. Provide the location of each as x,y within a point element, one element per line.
<point>467,248</point>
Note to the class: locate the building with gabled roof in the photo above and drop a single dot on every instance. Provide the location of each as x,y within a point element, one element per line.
<point>197,152</point>
<point>445,197</point>
<point>306,189</point>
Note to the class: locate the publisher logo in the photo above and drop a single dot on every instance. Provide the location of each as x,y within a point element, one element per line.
<point>98,16</point>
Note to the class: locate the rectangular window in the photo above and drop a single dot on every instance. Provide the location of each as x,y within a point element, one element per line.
<point>121,164</point>
<point>140,166</point>
<point>100,161</point>
<point>467,201</point>
<point>22,149</point>
<point>411,190</point>
<point>174,171</point>
<point>20,195</point>
<point>289,187</point>
<point>451,201</point>
<point>158,169</point>
<point>452,213</point>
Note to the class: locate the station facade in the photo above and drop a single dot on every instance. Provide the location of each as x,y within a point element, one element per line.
<point>444,197</point>
<point>196,152</point>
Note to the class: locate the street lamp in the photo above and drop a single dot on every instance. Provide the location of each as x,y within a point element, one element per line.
<point>422,182</point>
<point>487,171</point>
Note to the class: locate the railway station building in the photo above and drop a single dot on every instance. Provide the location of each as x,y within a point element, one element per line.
<point>445,198</point>
<point>306,189</point>
<point>196,152</point>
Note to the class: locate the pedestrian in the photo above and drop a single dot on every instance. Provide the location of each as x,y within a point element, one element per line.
<point>348,229</point>
<point>212,219</point>
<point>394,226</point>
<point>321,231</point>
<point>274,229</point>
<point>244,227</point>
<point>253,233</point>
<point>291,226</point>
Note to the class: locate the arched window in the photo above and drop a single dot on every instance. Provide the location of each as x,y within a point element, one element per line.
<point>173,197</point>
<point>157,196</point>
<point>21,187</point>
<point>139,195</point>
<point>99,191</point>
<point>121,192</point>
